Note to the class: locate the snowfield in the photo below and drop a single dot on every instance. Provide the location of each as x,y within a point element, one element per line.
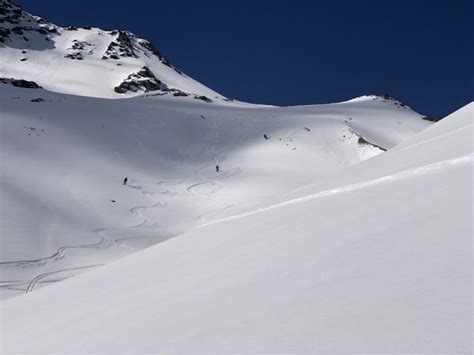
<point>241,228</point>
<point>64,208</point>
<point>379,265</point>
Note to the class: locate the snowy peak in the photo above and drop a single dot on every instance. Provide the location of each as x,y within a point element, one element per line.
<point>384,98</point>
<point>126,44</point>
<point>88,61</point>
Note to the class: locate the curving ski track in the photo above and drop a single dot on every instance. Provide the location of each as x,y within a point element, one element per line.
<point>106,241</point>
<point>32,284</point>
<point>226,171</point>
<point>59,254</point>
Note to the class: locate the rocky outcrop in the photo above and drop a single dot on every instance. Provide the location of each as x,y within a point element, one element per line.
<point>432,118</point>
<point>80,49</point>
<point>151,48</point>
<point>120,48</point>
<point>362,141</point>
<point>203,98</point>
<point>76,55</point>
<point>144,80</point>
<point>391,100</point>
<point>17,25</point>
<point>81,45</point>
<point>127,44</point>
<point>20,83</point>
<point>179,93</point>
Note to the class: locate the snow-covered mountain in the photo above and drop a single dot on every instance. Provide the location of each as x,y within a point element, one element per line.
<point>87,61</point>
<point>246,228</point>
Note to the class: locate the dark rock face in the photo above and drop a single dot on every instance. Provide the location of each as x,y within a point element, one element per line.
<point>4,33</point>
<point>20,83</point>
<point>126,45</point>
<point>120,48</point>
<point>15,24</point>
<point>77,56</point>
<point>432,118</point>
<point>150,47</point>
<point>10,13</point>
<point>180,93</point>
<point>203,98</point>
<point>80,45</point>
<point>80,48</point>
<point>143,80</point>
<point>391,100</point>
<point>363,141</point>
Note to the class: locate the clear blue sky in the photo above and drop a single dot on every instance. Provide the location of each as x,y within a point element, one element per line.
<point>297,52</point>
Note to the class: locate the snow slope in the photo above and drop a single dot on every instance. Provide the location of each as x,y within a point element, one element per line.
<point>64,208</point>
<point>379,261</point>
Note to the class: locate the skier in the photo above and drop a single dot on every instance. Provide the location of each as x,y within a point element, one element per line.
<point>125,180</point>
<point>265,136</point>
<point>217,168</point>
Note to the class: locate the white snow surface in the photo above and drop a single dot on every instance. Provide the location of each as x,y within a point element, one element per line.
<point>318,249</point>
<point>64,208</point>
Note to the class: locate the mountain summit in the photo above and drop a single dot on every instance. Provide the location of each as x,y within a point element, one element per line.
<point>87,61</point>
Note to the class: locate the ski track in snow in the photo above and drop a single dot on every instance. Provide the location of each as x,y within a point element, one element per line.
<point>107,241</point>
<point>426,169</point>
<point>19,285</point>
<point>38,278</point>
<point>217,159</point>
<point>214,182</point>
<point>437,137</point>
<point>59,254</point>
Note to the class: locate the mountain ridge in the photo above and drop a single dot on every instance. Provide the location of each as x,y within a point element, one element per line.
<point>120,63</point>
<point>24,37</point>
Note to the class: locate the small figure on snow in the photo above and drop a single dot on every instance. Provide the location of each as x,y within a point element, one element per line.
<point>218,168</point>
<point>125,180</point>
<point>265,136</point>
